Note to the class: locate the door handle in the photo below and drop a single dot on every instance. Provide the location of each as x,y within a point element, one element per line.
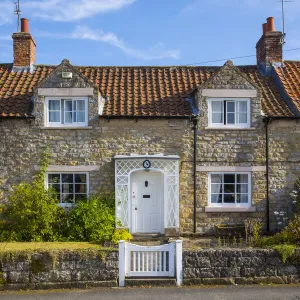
<point>135,208</point>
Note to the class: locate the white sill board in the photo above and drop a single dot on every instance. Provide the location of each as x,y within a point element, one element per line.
<point>68,128</point>
<point>229,209</point>
<point>230,128</point>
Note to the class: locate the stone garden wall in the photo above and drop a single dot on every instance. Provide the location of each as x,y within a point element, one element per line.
<point>92,268</point>
<point>239,266</point>
<point>58,269</point>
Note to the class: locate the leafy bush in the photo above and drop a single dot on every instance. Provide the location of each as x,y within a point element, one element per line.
<point>285,251</point>
<point>121,234</point>
<point>294,227</point>
<point>91,220</point>
<point>32,213</point>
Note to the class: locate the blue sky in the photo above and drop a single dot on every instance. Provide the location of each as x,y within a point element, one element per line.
<point>147,32</point>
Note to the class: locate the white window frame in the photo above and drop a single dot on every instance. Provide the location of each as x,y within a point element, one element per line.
<point>249,204</point>
<point>60,124</point>
<point>58,172</point>
<point>222,125</point>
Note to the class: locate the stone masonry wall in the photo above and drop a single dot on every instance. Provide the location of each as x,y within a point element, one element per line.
<point>238,266</point>
<point>58,269</point>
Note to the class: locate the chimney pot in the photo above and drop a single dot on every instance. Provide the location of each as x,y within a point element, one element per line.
<point>264,27</point>
<point>24,25</point>
<point>270,24</point>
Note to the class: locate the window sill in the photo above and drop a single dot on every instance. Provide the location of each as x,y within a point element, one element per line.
<point>229,209</point>
<point>68,128</point>
<point>230,128</point>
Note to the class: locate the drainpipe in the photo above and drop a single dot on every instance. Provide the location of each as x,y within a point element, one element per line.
<point>267,121</point>
<point>195,123</point>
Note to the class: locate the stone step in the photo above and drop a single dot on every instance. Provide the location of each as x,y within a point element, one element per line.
<point>150,282</point>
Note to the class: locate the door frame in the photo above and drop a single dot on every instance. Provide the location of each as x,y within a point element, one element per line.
<point>132,228</point>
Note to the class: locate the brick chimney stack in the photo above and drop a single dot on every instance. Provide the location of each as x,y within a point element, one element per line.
<point>24,48</point>
<point>269,46</point>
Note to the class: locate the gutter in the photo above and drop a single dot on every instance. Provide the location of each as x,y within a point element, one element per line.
<point>110,117</point>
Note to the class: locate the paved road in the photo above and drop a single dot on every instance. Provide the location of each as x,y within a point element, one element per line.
<point>188,293</point>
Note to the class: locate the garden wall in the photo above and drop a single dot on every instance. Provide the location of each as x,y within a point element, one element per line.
<point>239,266</point>
<point>93,268</point>
<point>58,269</point>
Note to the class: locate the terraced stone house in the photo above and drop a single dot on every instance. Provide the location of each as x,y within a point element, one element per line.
<point>183,148</point>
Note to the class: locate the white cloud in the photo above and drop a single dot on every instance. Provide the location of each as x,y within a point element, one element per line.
<point>85,33</point>
<point>61,10</point>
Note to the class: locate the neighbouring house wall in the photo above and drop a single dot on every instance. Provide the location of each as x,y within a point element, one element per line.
<point>239,266</point>
<point>284,160</point>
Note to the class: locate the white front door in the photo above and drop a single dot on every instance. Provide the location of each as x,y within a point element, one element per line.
<point>147,202</point>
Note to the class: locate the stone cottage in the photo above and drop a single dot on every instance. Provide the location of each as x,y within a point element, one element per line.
<point>183,148</point>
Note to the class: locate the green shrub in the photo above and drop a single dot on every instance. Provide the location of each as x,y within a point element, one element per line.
<point>32,213</point>
<point>294,227</point>
<point>91,220</point>
<point>285,251</point>
<point>121,234</point>
<point>283,237</point>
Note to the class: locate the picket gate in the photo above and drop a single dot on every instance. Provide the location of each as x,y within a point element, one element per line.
<point>150,261</point>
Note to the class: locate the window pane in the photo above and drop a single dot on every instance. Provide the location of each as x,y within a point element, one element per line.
<point>54,116</point>
<point>230,118</point>
<point>230,106</point>
<point>242,178</point>
<point>216,178</point>
<point>217,118</point>
<point>216,198</point>
<point>242,198</point>
<point>80,188</point>
<point>80,117</point>
<point>242,106</point>
<point>80,105</point>
<point>67,178</point>
<point>229,188</point>
<point>242,188</point>
<point>74,116</point>
<point>242,118</point>
<point>67,198</point>
<point>68,117</point>
<point>68,105</point>
<point>53,178</point>
<point>217,106</point>
<point>229,178</point>
<point>54,104</point>
<point>80,178</point>
<point>67,187</point>
<point>229,198</point>
<point>216,188</point>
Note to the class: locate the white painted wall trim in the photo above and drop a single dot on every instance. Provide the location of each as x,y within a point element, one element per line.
<point>231,93</point>
<point>231,169</point>
<point>230,209</point>
<point>66,92</point>
<point>62,168</point>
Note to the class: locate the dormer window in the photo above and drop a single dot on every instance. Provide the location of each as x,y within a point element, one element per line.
<point>67,111</point>
<point>226,112</point>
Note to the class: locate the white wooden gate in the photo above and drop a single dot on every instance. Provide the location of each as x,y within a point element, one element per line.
<point>150,261</point>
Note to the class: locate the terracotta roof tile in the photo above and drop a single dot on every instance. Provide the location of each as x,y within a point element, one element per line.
<point>290,78</point>
<point>138,91</point>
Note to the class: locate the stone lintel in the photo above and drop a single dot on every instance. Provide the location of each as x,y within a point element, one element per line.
<point>66,92</point>
<point>229,93</point>
<point>53,168</point>
<point>231,169</point>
